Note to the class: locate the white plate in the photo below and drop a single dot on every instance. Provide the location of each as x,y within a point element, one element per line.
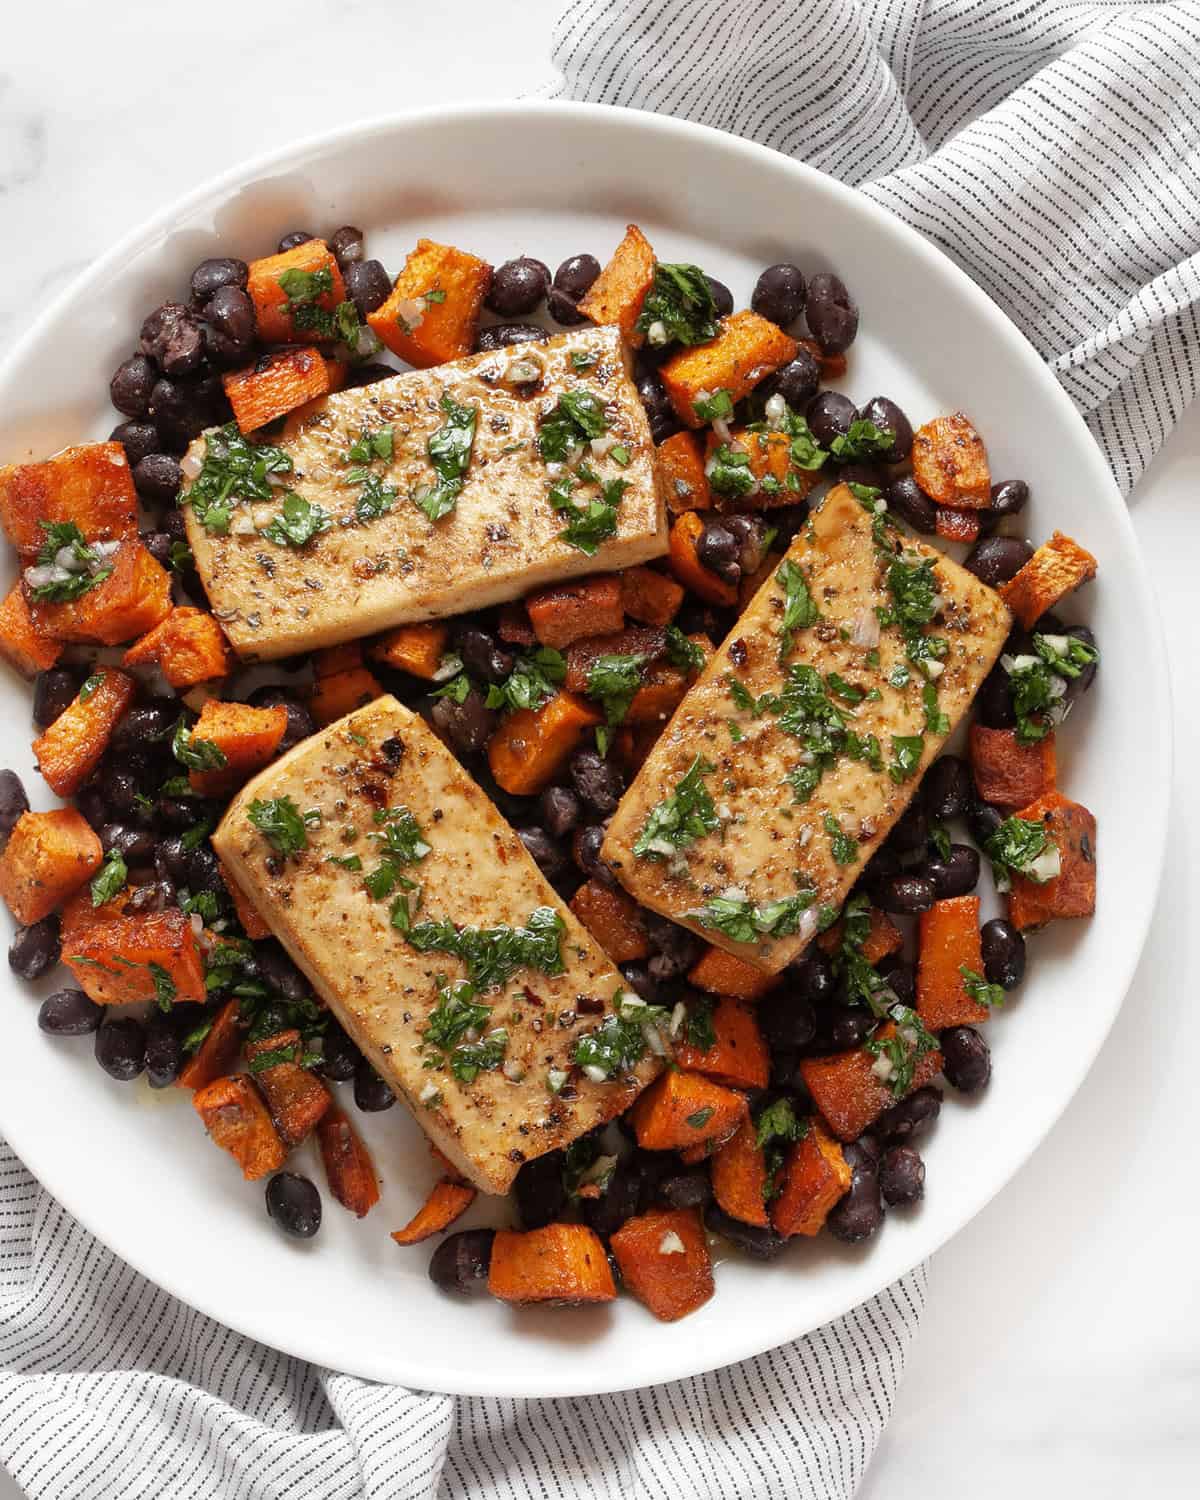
<point>552,180</point>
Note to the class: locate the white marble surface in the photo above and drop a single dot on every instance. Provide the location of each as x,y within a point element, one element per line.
<point>1061,1351</point>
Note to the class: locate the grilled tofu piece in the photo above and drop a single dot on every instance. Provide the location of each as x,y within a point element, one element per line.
<point>798,770</point>
<point>500,540</point>
<point>474,873</point>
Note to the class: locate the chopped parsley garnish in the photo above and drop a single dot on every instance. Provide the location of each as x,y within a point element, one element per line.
<point>619,1043</point>
<point>679,306</point>
<point>861,982</point>
<point>841,845</point>
<point>714,407</point>
<point>914,592</point>
<point>700,1118</point>
<point>849,691</point>
<point>458,689</point>
<point>302,287</point>
<point>281,822</point>
<point>110,880</point>
<point>903,1050</point>
<point>345,861</point>
<point>745,921</point>
<point>907,750</point>
<point>449,450</point>
<point>402,843</point>
<point>698,1024</point>
<point>196,834</point>
<point>1021,846</point>
<point>531,681</point>
<point>375,499</point>
<point>864,747</point>
<point>456,1013</point>
<point>681,818</point>
<point>164,986</point>
<point>1037,683</point>
<point>863,441</point>
<point>803,452</point>
<point>234,469</point>
<point>494,954</point>
<point>579,415</point>
<point>935,720</point>
<point>196,755</point>
<point>939,838</point>
<point>979,989</point>
<point>83,567</point>
<point>745,700</point>
<point>799,607</point>
<point>206,904</point>
<point>369,446</point>
<point>469,1059</point>
<point>587,528</point>
<point>776,1128</point>
<point>682,652</point>
<point>297,522</point>
<point>90,685</point>
<point>613,679</point>
<point>729,472</point>
<point>620,454</point>
<point>806,711</point>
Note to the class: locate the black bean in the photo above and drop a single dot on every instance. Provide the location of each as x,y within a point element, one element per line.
<point>367,374</point>
<point>638,978</point>
<point>675,949</point>
<point>89,801</point>
<point>562,308</point>
<point>859,1214</point>
<point>901,977</point>
<point>347,245</point>
<point>1009,498</point>
<point>956,875</point>
<point>145,724</point>
<point>231,326</point>
<point>164,1048</point>
<point>69,1013</point>
<point>576,275</point>
<point>947,788</point>
<point>1003,953</point>
<point>504,335</point>
<point>750,534</point>
<point>158,478</point>
<point>850,1029</point>
<point>832,313</point>
<point>1077,686</point>
<point>13,799</point>
<point>874,475</point>
<point>779,293</point>
<point>659,411</point>
<point>688,1189</point>
<point>787,1020</point>
<point>122,781</point>
<point>559,809</point>
<point>180,413</point>
<point>462,1261</point>
<point>158,544</point>
<point>482,656</point>
<point>171,860</point>
<point>53,692</point>
<point>150,895</point>
<point>293,238</point>
<point>518,286</point>
<point>300,722</point>
<point>886,415</point>
<point>996,559</point>
<point>993,702</point>
<point>368,286</point>
<point>908,501</point>
<point>906,894</point>
<point>814,978</point>
<point>35,948</point>
<point>204,874</point>
<point>585,848</point>
<point>217,272</point>
<point>174,523</point>
<point>620,1200</point>
<point>829,416</point>
<point>134,845</point>
<point>910,831</point>
<point>966,1059</point>
<point>121,1048</point>
<point>718,551</point>
<point>340,1056</point>
<point>797,382</point>
<point>295,1204</point>
<point>132,382</point>
<point>983,819</point>
<point>279,973</point>
<point>545,853</point>
<point>598,781</point>
<point>371,1093</point>
<point>762,1244</point>
<point>721,295</point>
<point>468,725</point>
<point>911,1117</point>
<point>171,337</point>
<point>902,1176</point>
<point>539,1191</point>
<point>137,438</point>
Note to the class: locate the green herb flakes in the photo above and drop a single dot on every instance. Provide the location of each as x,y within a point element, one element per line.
<point>681,818</point>
<point>799,607</point>
<point>109,880</point>
<point>449,450</point>
<point>678,307</point>
<point>234,469</point>
<point>280,822</point>
<point>841,845</point>
<point>494,954</point>
<point>298,521</point>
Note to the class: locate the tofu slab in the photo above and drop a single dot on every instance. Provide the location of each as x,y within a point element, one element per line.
<point>768,846</point>
<point>380,988</point>
<point>500,541</point>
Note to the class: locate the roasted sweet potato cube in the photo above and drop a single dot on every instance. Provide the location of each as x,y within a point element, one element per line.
<point>22,645</point>
<point>217,1051</point>
<point>532,745</point>
<point>682,1109</point>
<point>188,647</point>
<point>247,913</point>
<point>681,476</point>
<point>770,463</point>
<point>432,314</point>
<point>722,973</point>
<point>90,485</point>
<point>146,956</point>
<point>282,318</point>
<point>247,737</point>
<point>237,1120</point>
<point>883,937</point>
<point>948,942</point>
<point>416,649</point>
<point>513,625</point>
<point>957,525</point>
<point>683,558</point>
<point>847,1092</point>
<point>568,612</point>
<point>950,463</point>
<point>746,350</point>
<point>296,1098</point>
<point>617,294</point>
<point>664,1261</point>
<point>340,694</point>
<point>561,1263</point>
<point>663,689</point>
<point>48,857</point>
<point>1072,893</point>
<point>278,383</point>
<point>348,1164</point>
<point>738,1056</point>
<point>815,1175</point>
<point>1007,773</point>
<point>650,597</point>
<point>739,1177</point>
<point>133,599</point>
<point>613,919</point>
<point>445,1203</point>
<point>336,659</point>
<point>69,751</point>
<point>1056,569</point>
<point>634,640</point>
<point>79,913</point>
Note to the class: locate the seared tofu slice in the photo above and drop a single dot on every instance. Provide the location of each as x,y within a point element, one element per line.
<point>796,768</point>
<point>334,907</point>
<point>501,539</point>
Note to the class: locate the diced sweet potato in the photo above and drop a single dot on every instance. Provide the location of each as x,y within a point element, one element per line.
<point>139,957</point>
<point>563,1263</point>
<point>247,914</point>
<point>432,313</point>
<point>771,460</point>
<point>662,691</point>
<point>738,1057</point>
<point>1007,773</point>
<point>22,645</point>
<point>849,1095</point>
<point>815,1175</point>
<point>950,463</point>
<point>683,559</point>
<point>48,857</point>
<point>957,525</point>
<point>90,485</point>
<point>948,941</point>
<point>79,914</point>
<point>568,612</point>
<point>634,640</point>
<point>69,751</point>
<point>133,599</point>
<point>650,597</point>
<point>633,743</point>
<point>278,383</point>
<point>247,737</point>
<point>188,647</point>
<point>613,919</point>
<point>296,1098</point>
<point>348,1164</point>
<point>512,624</point>
<point>217,1053</point>
<point>745,351</point>
<point>1056,569</point>
<point>336,696</point>
<point>722,973</point>
<point>445,1203</point>
<point>532,745</point>
<point>664,1261</point>
<point>739,1177</point>
<point>681,475</point>
<point>280,318</point>
<point>1072,893</point>
<point>237,1120</point>
<point>685,1109</point>
<point>883,937</point>
<point>416,649</point>
<point>617,294</point>
<point>334,659</point>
